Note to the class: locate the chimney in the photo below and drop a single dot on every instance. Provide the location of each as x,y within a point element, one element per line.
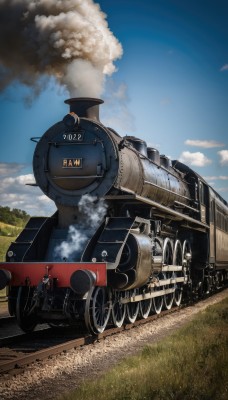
<point>85,107</point>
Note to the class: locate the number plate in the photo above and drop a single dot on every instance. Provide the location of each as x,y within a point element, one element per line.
<point>72,163</point>
<point>73,136</point>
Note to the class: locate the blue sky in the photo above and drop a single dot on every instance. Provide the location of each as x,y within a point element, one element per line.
<point>170,89</point>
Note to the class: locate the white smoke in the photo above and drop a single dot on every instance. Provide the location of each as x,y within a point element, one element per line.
<point>70,249</point>
<point>116,114</point>
<point>92,211</point>
<point>67,39</point>
<point>91,214</point>
<point>87,72</point>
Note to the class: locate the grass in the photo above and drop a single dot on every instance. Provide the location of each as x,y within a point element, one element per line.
<point>2,297</point>
<point>191,364</point>
<point>4,244</point>
<point>9,230</point>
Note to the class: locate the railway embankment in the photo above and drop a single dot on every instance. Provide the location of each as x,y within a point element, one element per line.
<point>190,364</point>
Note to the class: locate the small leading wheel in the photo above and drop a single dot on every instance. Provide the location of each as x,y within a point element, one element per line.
<point>26,317</point>
<point>145,307</point>
<point>168,260</point>
<point>118,310</point>
<point>97,309</point>
<point>132,309</point>
<point>177,260</point>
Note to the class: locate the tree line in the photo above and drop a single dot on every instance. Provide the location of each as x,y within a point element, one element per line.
<point>13,216</point>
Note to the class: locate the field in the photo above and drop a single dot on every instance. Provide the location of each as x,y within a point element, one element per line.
<point>4,244</point>
<point>9,230</point>
<point>192,364</point>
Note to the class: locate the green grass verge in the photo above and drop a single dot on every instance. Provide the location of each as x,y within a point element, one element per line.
<point>4,244</point>
<point>9,230</point>
<point>192,364</point>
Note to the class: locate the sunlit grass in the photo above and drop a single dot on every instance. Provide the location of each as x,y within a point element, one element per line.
<point>191,364</point>
<point>9,230</point>
<point>4,245</point>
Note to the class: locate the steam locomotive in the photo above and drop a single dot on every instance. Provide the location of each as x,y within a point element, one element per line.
<point>163,232</point>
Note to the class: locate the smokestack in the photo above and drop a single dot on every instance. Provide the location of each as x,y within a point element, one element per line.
<point>85,107</point>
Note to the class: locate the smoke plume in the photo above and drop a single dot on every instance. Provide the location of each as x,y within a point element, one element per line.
<point>91,214</point>
<point>67,39</point>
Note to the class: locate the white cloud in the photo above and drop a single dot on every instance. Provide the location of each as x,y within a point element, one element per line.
<point>206,144</point>
<point>197,159</point>
<point>224,68</point>
<point>215,178</point>
<point>18,181</point>
<point>7,169</point>
<point>15,193</point>
<point>223,157</point>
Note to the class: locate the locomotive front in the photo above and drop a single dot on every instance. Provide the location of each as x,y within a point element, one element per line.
<point>76,156</point>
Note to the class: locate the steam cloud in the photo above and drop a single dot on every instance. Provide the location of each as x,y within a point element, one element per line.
<point>91,215</point>
<point>67,39</point>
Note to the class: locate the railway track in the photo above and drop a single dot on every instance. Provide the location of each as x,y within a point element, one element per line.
<point>17,352</point>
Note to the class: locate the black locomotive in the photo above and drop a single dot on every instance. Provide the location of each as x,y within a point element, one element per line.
<point>162,231</point>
